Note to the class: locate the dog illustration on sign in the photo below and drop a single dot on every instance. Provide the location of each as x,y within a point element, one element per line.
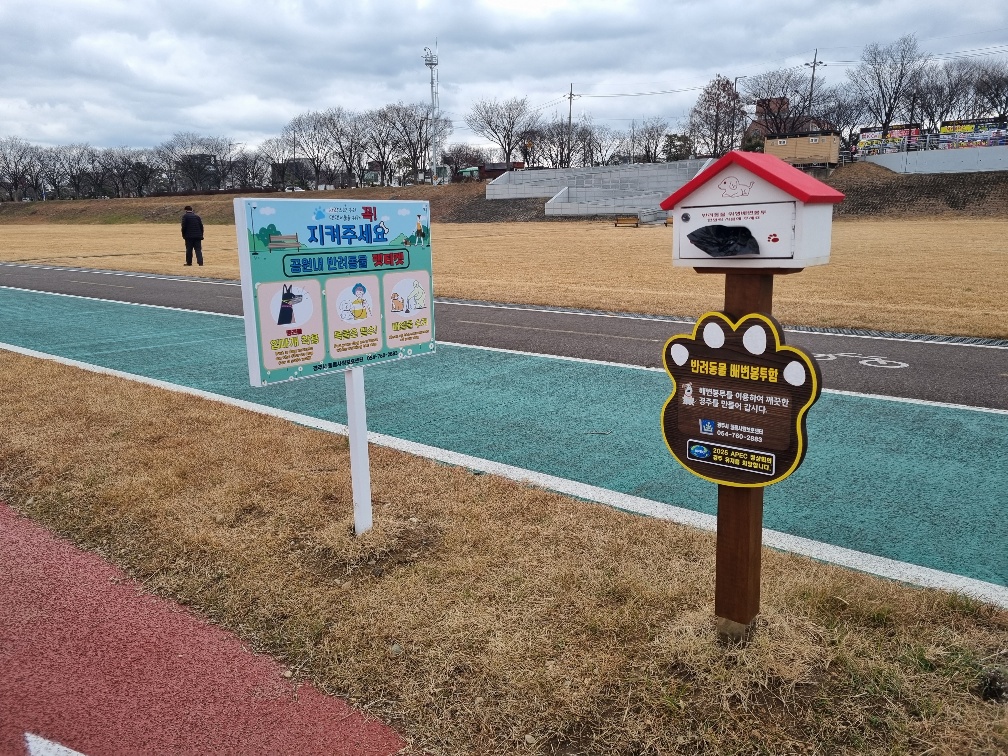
<point>287,301</point>
<point>730,186</point>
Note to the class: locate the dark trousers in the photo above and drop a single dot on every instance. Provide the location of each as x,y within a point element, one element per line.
<point>190,246</point>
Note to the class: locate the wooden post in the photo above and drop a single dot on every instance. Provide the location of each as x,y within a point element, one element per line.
<point>740,510</point>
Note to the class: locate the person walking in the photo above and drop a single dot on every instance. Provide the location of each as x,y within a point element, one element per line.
<point>192,232</point>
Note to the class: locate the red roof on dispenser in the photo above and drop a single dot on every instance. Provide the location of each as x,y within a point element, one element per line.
<point>799,185</point>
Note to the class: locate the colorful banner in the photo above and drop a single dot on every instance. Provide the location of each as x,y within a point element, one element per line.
<point>900,137</point>
<point>328,285</point>
<point>986,132</point>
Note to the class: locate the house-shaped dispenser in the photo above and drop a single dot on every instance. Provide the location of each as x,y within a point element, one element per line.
<point>750,210</point>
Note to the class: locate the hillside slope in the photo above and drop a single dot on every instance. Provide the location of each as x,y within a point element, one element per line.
<point>876,191</point>
<point>871,191</point>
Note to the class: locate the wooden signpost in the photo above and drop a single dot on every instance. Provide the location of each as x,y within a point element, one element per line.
<point>736,415</point>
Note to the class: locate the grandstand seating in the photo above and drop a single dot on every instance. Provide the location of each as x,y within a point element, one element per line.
<point>600,190</point>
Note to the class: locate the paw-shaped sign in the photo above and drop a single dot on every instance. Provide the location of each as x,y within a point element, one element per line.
<point>739,400</point>
<point>773,238</point>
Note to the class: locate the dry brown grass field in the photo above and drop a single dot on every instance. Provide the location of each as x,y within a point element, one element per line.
<point>938,275</point>
<point>483,616</point>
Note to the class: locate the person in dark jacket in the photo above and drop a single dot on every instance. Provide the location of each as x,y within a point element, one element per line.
<point>192,232</point>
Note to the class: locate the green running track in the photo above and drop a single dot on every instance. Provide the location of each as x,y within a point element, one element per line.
<point>917,483</point>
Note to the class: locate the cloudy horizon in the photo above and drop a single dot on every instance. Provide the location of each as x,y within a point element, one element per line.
<point>133,74</point>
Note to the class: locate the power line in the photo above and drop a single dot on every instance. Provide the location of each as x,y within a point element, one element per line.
<point>643,94</point>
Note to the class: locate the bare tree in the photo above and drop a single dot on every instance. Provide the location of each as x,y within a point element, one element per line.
<point>190,157</point>
<point>223,152</point>
<point>75,158</point>
<point>383,145</point>
<point>54,171</point>
<point>35,172</point>
<point>652,134</point>
<point>943,92</point>
<point>118,162</point>
<point>276,152</point>
<point>502,122</point>
<point>992,89</point>
<point>348,132</point>
<point>844,110</point>
<point>412,129</point>
<point>716,117</point>
<point>145,171</point>
<point>99,169</point>
<point>583,142</point>
<point>252,168</point>
<point>785,99</point>
<point>311,138</point>
<point>602,143</point>
<point>550,146</point>
<point>15,156</point>
<point>461,155</point>
<point>885,75</point>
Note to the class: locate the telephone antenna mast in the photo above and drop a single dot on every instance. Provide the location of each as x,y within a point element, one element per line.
<point>431,61</point>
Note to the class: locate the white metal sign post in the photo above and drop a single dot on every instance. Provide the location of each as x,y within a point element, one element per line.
<point>360,466</point>
<point>331,286</point>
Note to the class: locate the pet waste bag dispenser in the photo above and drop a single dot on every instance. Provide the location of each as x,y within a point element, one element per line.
<point>750,210</point>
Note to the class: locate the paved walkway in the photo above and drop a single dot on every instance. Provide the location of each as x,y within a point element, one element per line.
<point>91,663</point>
<point>920,484</point>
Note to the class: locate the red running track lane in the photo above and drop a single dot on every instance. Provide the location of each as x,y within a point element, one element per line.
<point>90,661</point>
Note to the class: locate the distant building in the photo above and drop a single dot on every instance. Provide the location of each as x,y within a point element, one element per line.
<point>774,117</point>
<point>819,148</point>
<point>493,170</point>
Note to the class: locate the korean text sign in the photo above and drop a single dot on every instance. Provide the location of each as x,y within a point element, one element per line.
<point>328,285</point>
<point>740,398</point>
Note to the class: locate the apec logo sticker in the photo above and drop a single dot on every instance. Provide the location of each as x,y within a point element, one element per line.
<point>699,451</point>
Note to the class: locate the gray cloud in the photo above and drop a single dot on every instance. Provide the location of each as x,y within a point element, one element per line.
<point>134,73</point>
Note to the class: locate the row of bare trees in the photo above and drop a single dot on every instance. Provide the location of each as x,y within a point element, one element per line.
<point>893,83</point>
<point>336,147</point>
<point>517,129</point>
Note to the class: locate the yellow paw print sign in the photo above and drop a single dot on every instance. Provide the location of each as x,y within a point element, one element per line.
<point>739,400</point>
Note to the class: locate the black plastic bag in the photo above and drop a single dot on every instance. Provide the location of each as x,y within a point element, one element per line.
<point>724,241</point>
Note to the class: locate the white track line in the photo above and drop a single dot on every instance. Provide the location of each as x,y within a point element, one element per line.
<point>521,308</point>
<point>121,302</point>
<point>882,397</point>
<point>876,565</point>
<point>681,321</point>
<point>904,400</point>
<point>126,273</point>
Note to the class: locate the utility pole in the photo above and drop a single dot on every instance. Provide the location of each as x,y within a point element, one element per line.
<point>431,61</point>
<point>815,62</point>
<point>735,104</point>
<point>570,109</point>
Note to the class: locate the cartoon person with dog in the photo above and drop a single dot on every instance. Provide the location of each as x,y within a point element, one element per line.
<point>358,308</point>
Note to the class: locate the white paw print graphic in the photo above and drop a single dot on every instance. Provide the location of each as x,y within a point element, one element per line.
<point>755,341</point>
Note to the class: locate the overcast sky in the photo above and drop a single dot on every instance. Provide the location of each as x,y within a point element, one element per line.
<point>134,73</point>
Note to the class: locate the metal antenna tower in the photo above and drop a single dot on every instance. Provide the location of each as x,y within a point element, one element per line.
<point>431,61</point>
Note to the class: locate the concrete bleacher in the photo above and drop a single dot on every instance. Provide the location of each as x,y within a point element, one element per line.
<point>600,190</point>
